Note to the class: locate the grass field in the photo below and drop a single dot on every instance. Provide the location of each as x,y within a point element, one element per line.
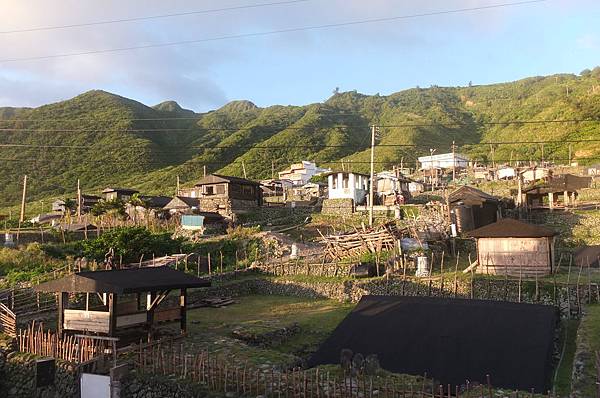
<point>213,329</point>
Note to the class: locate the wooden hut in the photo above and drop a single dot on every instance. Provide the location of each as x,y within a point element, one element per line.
<point>512,247</point>
<point>556,192</point>
<point>128,298</point>
<point>472,208</point>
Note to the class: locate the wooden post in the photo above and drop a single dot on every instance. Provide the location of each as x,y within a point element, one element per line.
<point>551,200</point>
<point>112,314</point>
<point>22,216</point>
<point>182,310</point>
<point>63,300</point>
<point>209,265</point>
<point>149,313</point>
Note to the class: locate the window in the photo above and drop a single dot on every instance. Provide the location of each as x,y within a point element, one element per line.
<point>334,181</point>
<point>345,181</point>
<point>221,189</point>
<point>209,190</point>
<point>247,190</point>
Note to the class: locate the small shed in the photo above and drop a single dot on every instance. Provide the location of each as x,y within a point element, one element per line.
<point>472,208</point>
<point>555,192</point>
<point>512,247</point>
<point>128,298</point>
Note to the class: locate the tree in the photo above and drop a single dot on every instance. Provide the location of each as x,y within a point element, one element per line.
<point>136,201</point>
<point>586,72</point>
<point>70,206</point>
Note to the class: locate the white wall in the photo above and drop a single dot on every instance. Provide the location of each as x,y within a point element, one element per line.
<point>356,188</point>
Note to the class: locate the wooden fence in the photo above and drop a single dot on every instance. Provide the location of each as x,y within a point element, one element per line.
<point>218,375</point>
<point>36,341</point>
<point>8,321</point>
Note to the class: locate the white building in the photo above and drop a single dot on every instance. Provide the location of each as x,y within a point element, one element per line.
<point>444,161</point>
<point>348,185</point>
<point>301,173</point>
<point>506,173</point>
<point>535,174</point>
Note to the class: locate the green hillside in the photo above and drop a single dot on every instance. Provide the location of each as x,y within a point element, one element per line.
<point>104,139</point>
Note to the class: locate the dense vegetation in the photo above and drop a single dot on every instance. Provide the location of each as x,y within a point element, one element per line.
<point>105,139</point>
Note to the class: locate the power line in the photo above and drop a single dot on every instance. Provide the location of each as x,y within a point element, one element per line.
<point>200,128</point>
<point>149,17</point>
<point>268,33</point>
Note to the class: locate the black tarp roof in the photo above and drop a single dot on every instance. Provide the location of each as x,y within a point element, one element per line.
<point>451,340</point>
<point>511,228</point>
<point>131,280</point>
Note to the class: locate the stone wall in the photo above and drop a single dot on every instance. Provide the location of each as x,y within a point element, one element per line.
<point>342,207</point>
<point>352,290</point>
<point>17,378</point>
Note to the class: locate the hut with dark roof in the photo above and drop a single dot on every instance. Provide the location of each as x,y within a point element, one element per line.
<point>559,191</point>
<point>472,208</point>
<point>512,247</point>
<point>140,291</point>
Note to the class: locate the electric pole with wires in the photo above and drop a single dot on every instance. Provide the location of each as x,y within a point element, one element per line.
<point>374,130</point>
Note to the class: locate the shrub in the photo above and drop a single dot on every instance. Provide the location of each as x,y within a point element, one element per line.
<point>130,243</point>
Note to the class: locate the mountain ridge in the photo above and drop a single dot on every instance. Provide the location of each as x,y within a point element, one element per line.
<point>106,139</point>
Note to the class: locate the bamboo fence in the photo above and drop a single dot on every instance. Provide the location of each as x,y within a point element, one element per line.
<point>221,376</point>
<point>36,341</point>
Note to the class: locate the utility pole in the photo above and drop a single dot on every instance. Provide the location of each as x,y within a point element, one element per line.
<point>542,155</point>
<point>204,171</point>
<point>244,169</point>
<point>22,217</point>
<point>570,149</point>
<point>272,169</point>
<point>431,151</point>
<point>372,180</point>
<point>177,191</point>
<point>78,201</point>
<point>453,161</point>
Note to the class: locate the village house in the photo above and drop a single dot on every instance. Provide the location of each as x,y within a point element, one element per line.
<point>472,208</point>
<point>226,195</point>
<point>87,202</point>
<point>153,207</point>
<point>444,161</point>
<point>275,188</point>
<point>182,205</point>
<point>512,247</point>
<point>348,185</point>
<point>389,185</point>
<point>123,194</point>
<point>310,191</point>
<point>556,192</point>
<point>301,173</point>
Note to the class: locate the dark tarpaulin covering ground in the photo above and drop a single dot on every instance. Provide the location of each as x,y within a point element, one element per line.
<point>451,340</point>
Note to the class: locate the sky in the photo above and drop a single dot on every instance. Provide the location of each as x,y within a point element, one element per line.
<point>297,68</point>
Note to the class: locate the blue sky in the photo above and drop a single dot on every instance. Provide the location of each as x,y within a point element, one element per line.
<point>487,46</point>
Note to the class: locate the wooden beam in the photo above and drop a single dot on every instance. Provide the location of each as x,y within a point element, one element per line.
<point>182,310</point>
<point>149,314</point>
<point>112,314</point>
<point>63,301</point>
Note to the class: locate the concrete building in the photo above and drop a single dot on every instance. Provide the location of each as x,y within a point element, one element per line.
<point>301,173</point>
<point>348,185</point>
<point>444,161</point>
